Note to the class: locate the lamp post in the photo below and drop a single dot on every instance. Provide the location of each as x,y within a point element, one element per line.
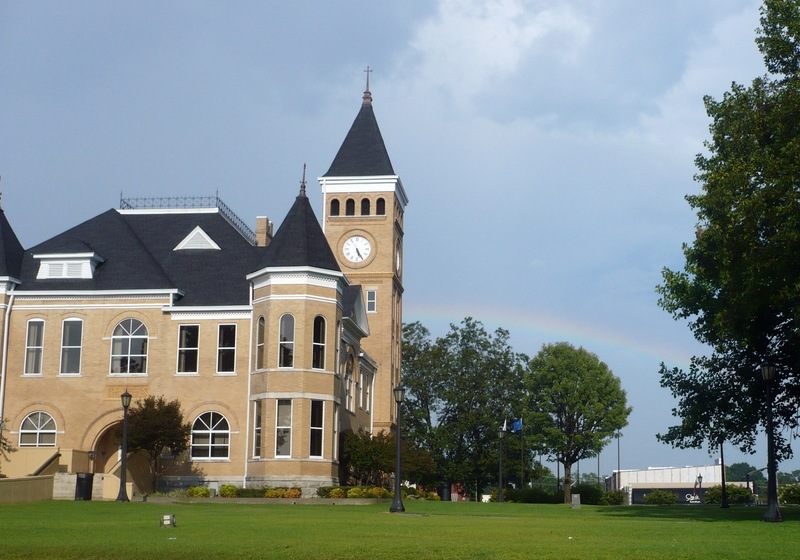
<point>773,513</point>
<point>700,487</point>
<point>397,504</point>
<point>724,500</point>
<point>123,491</point>
<point>500,435</point>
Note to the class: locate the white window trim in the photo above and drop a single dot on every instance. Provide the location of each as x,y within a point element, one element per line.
<point>80,348</point>
<point>236,337</point>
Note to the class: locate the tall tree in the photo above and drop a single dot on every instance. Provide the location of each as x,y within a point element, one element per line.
<point>156,428</point>
<point>577,404</point>
<point>738,289</point>
<point>460,389</point>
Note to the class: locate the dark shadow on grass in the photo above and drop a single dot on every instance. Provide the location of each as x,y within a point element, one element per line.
<point>708,513</point>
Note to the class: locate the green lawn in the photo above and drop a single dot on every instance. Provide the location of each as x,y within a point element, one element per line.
<point>428,530</point>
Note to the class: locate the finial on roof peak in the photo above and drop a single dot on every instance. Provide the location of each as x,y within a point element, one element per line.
<point>303,183</point>
<point>367,99</point>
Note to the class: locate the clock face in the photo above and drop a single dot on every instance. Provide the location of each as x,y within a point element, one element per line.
<point>357,248</point>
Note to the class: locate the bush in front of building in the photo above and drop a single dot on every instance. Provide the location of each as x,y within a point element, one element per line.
<point>198,492</point>
<point>736,494</point>
<point>660,498</point>
<point>613,498</point>
<point>229,491</point>
<point>534,495</point>
<point>789,494</point>
<point>591,494</point>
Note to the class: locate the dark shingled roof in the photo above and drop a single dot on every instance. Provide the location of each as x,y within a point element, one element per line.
<point>139,255</point>
<point>11,251</point>
<point>363,152</point>
<point>300,240</point>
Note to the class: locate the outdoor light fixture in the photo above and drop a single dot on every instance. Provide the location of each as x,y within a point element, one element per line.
<point>501,433</point>
<point>773,513</point>
<point>123,491</point>
<point>397,504</point>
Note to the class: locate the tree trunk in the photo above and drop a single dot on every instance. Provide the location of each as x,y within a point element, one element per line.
<point>567,483</point>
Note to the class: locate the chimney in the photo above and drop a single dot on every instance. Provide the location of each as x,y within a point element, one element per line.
<point>263,231</point>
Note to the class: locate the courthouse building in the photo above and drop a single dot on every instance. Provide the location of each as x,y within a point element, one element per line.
<point>275,343</point>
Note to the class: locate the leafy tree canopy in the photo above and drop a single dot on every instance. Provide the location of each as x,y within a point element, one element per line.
<point>576,403</point>
<point>739,285</point>
<point>460,388</point>
<point>156,428</point>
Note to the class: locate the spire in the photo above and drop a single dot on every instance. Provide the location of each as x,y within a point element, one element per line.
<point>363,153</point>
<point>300,240</point>
<point>367,99</point>
<point>303,183</point>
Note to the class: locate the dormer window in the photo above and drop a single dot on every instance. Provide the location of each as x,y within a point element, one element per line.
<point>80,266</point>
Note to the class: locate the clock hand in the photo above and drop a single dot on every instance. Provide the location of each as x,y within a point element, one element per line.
<point>358,253</point>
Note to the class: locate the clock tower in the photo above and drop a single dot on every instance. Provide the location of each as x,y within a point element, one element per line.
<point>364,202</point>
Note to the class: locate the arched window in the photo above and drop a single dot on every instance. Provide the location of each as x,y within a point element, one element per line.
<point>286,344</point>
<point>380,207</point>
<point>129,347</point>
<point>318,346</point>
<point>260,343</point>
<point>335,207</point>
<point>365,207</point>
<point>211,436</point>
<point>38,429</point>
<point>350,207</point>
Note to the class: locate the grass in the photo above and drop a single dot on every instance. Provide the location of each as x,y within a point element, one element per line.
<point>428,530</point>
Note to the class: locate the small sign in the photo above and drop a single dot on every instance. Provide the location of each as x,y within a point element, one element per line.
<point>168,520</point>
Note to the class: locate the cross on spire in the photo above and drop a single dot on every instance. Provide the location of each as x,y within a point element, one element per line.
<point>303,182</point>
<point>367,99</point>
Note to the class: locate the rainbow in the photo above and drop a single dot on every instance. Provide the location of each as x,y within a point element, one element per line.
<point>529,330</point>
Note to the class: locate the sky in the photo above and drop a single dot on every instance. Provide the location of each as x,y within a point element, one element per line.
<point>546,146</point>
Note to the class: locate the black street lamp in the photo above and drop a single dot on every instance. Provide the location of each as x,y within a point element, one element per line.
<point>700,487</point>
<point>501,433</point>
<point>773,513</point>
<point>123,491</point>
<point>397,504</point>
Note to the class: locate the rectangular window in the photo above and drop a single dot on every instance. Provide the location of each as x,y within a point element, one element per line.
<point>372,301</point>
<point>335,432</point>
<point>367,391</point>
<point>283,429</point>
<point>188,348</point>
<point>71,339</point>
<point>33,347</point>
<point>226,349</point>
<point>256,429</point>
<point>317,408</point>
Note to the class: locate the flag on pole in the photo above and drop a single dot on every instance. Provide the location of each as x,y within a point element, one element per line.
<point>516,426</point>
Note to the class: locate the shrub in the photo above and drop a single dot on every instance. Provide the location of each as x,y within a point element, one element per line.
<point>198,492</point>
<point>378,492</point>
<point>293,493</point>
<point>535,495</point>
<point>337,493</point>
<point>613,498</point>
<point>661,498</point>
<point>250,492</point>
<point>591,494</point>
<point>228,491</point>
<point>736,494</point>
<point>274,492</point>
<point>789,494</point>
<point>356,492</point>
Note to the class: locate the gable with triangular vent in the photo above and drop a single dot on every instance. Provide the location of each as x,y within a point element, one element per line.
<point>197,239</point>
